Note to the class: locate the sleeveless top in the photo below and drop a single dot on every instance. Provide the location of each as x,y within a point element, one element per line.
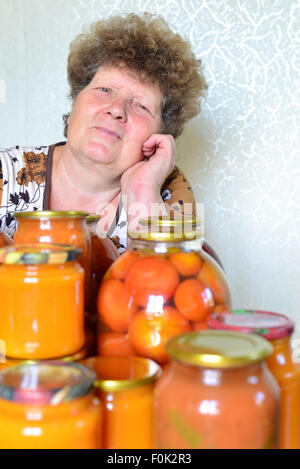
<point>25,182</point>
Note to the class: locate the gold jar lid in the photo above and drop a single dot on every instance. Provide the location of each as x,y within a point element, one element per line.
<point>122,373</point>
<point>168,228</point>
<point>92,218</point>
<point>219,349</point>
<point>51,214</point>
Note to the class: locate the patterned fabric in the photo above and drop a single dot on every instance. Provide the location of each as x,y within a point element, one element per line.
<point>25,180</point>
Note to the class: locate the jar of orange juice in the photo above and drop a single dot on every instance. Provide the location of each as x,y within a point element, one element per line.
<point>278,329</point>
<point>5,240</point>
<point>49,406</point>
<point>163,286</point>
<point>217,393</point>
<point>63,227</point>
<point>41,291</point>
<point>125,386</point>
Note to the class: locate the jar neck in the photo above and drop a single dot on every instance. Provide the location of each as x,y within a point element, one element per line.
<point>166,246</point>
<point>282,345</point>
<point>14,269</point>
<point>214,376</point>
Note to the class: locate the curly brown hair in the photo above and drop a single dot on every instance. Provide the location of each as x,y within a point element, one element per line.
<point>146,45</point>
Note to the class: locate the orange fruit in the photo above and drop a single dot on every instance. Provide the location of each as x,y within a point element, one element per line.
<point>187,263</point>
<point>211,276</point>
<point>149,333</point>
<point>114,344</point>
<point>151,276</point>
<point>115,306</point>
<point>194,300</point>
<point>123,263</point>
<point>199,326</point>
<point>219,308</point>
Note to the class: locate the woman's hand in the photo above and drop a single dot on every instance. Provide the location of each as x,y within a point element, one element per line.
<point>143,181</point>
<point>141,184</point>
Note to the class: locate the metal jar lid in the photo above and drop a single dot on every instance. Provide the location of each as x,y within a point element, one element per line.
<point>165,228</point>
<point>269,325</point>
<point>45,214</point>
<point>122,373</point>
<point>218,349</point>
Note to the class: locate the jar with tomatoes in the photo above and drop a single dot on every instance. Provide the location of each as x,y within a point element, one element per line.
<point>163,286</point>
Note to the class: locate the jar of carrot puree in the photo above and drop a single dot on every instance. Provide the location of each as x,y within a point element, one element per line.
<point>125,388</point>
<point>63,227</point>
<point>41,291</point>
<point>5,240</point>
<point>217,393</point>
<point>163,286</point>
<point>278,329</point>
<point>49,406</point>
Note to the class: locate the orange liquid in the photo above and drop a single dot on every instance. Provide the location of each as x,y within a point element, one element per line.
<point>71,425</point>
<point>64,230</point>
<point>41,310</point>
<point>216,409</point>
<point>128,415</point>
<point>287,374</point>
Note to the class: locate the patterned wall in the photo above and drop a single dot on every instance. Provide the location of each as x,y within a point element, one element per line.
<point>241,154</point>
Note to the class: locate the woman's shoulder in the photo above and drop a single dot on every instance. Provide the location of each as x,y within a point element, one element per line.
<point>22,182</point>
<point>177,192</point>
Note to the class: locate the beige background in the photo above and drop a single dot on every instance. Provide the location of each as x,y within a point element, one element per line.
<point>241,154</point>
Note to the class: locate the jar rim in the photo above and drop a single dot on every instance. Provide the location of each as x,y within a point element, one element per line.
<point>51,383</point>
<point>268,324</point>
<point>38,253</point>
<point>137,371</point>
<point>219,349</point>
<point>168,228</point>
<point>51,214</point>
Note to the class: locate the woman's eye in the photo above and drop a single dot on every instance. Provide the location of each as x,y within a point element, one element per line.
<point>142,107</point>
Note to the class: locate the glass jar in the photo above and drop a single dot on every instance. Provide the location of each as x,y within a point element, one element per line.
<point>103,254</point>
<point>5,240</point>
<point>163,286</point>
<point>217,393</point>
<point>63,227</point>
<point>125,387</point>
<point>49,406</point>
<point>41,291</point>
<point>278,329</point>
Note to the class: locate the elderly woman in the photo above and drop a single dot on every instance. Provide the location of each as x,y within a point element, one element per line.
<point>134,84</point>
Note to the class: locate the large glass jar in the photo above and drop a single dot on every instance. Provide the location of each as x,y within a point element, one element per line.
<point>125,386</point>
<point>217,393</point>
<point>41,291</point>
<point>5,240</point>
<point>49,406</point>
<point>63,227</point>
<point>163,286</point>
<point>278,329</point>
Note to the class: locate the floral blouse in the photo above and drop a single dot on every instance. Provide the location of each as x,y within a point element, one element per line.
<point>25,181</point>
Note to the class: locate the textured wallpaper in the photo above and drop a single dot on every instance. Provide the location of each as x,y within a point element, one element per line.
<point>242,154</point>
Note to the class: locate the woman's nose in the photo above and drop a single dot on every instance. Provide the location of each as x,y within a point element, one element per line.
<point>117,110</point>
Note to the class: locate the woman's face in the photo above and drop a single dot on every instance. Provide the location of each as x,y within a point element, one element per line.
<point>112,117</point>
